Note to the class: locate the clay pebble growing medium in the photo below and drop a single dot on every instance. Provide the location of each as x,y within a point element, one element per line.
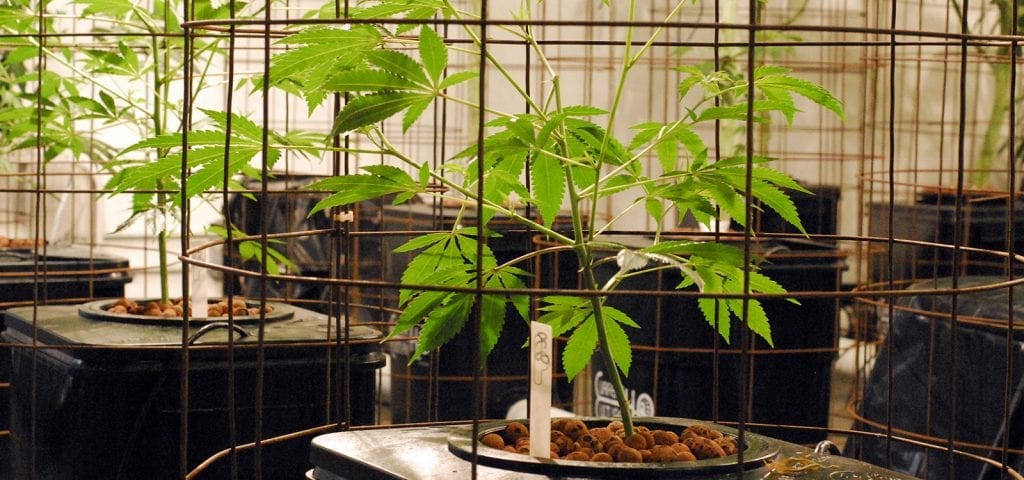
<point>571,439</point>
<point>7,242</point>
<point>175,308</point>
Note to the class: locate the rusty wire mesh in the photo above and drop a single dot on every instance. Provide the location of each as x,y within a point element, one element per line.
<point>913,82</point>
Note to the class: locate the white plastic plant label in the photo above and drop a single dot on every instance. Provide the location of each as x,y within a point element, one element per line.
<point>541,367</point>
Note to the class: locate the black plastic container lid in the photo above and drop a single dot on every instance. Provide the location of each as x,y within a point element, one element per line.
<point>64,326</point>
<point>57,263</point>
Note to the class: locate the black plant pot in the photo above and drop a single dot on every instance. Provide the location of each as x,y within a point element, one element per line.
<point>102,397</point>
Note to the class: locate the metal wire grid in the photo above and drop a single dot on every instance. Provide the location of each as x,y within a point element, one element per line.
<point>857,38</point>
<point>929,125</point>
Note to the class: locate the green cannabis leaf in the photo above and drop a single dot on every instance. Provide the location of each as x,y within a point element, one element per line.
<point>318,53</point>
<point>777,85</point>
<point>405,9</point>
<point>381,180</point>
<point>206,160</point>
<point>717,268</point>
<point>450,260</point>
<point>575,316</point>
<point>392,82</point>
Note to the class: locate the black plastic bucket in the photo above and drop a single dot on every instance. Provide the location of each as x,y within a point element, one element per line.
<point>108,393</point>
<point>933,219</point>
<point>61,274</point>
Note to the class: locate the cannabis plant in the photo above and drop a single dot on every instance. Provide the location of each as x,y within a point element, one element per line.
<point>43,98</point>
<point>142,55</point>
<point>558,158</point>
<point>1000,59</point>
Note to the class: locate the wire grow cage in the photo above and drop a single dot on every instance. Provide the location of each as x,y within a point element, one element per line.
<point>942,191</point>
<point>98,396</point>
<point>258,89</point>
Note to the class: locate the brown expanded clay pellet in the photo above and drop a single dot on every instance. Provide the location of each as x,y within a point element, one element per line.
<point>571,439</point>
<point>220,309</point>
<point>6,242</point>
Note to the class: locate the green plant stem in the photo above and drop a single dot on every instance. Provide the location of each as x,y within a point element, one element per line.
<point>470,104</point>
<point>620,86</point>
<point>584,251</point>
<point>979,176</point>
<point>157,117</point>
<point>494,61</point>
<point>1001,74</point>
<point>605,353</point>
<point>623,213</point>
<point>161,241</point>
<point>585,254</point>
<point>628,61</point>
<point>654,35</point>
<point>582,246</point>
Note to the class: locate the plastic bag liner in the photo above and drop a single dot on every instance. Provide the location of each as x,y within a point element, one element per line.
<point>923,390</point>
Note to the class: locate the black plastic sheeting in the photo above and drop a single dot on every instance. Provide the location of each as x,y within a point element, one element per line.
<point>924,391</point>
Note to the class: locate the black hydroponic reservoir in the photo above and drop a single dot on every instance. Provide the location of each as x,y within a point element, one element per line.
<point>109,402</point>
<point>61,274</point>
<point>51,275</point>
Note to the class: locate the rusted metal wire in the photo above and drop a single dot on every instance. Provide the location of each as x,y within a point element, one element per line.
<point>898,64</point>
